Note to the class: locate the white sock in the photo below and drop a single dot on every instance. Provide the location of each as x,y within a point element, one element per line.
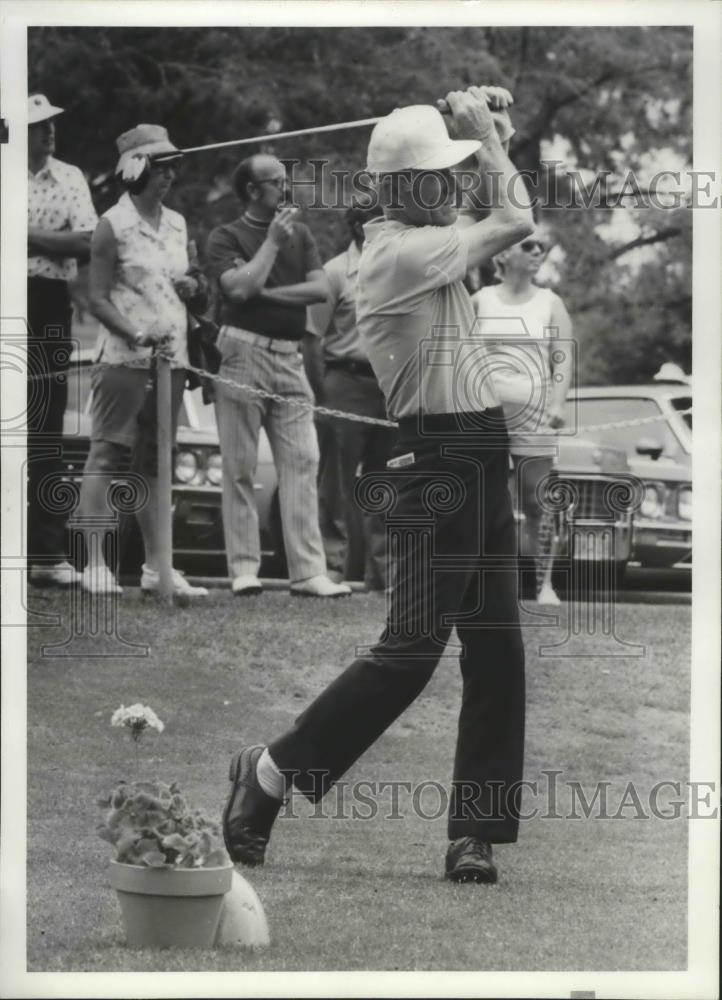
<point>269,777</point>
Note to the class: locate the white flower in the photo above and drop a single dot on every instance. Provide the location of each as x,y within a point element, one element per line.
<point>133,168</point>
<point>136,717</point>
<point>152,719</point>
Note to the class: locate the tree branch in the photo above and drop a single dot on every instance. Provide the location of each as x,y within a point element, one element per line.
<point>535,132</point>
<point>661,236</point>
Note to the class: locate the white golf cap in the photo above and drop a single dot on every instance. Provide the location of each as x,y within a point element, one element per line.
<point>40,109</point>
<point>415,138</point>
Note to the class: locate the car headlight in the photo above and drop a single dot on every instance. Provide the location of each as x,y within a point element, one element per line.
<point>684,503</point>
<point>653,502</point>
<point>214,469</point>
<point>186,466</point>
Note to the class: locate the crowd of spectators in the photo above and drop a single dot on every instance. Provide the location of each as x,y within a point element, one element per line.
<point>287,327</point>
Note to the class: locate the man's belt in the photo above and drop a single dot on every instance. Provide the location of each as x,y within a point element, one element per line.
<point>258,340</point>
<point>353,367</point>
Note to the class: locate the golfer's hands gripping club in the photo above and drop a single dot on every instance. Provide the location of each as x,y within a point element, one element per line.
<point>464,118</point>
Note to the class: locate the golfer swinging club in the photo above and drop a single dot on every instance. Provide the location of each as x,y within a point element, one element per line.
<point>452,441</point>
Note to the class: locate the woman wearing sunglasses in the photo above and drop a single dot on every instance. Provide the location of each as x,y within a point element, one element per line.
<point>532,375</point>
<point>140,282</point>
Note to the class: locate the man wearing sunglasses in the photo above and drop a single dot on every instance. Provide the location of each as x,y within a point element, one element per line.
<point>449,477</point>
<point>516,318</point>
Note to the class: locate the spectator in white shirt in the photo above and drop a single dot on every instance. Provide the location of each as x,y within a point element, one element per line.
<point>61,220</point>
<point>529,328</point>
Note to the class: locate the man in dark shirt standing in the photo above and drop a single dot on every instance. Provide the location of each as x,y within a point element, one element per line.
<point>267,270</point>
<point>349,384</point>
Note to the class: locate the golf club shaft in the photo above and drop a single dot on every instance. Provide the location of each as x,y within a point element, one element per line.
<point>273,136</point>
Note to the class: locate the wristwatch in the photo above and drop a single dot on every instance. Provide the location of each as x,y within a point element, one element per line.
<point>137,337</point>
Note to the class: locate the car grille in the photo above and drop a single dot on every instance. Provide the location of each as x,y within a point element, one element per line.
<point>592,498</point>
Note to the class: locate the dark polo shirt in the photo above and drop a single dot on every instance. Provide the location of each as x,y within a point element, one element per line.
<point>241,240</point>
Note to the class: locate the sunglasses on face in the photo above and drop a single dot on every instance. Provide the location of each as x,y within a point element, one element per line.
<point>529,246</point>
<point>165,166</point>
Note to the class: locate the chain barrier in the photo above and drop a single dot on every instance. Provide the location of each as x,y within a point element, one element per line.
<point>324,411</point>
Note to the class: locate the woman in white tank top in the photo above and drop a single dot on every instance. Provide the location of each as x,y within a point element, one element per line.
<point>520,323</point>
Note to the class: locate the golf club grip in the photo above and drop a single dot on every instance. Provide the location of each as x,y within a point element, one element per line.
<point>444,108</point>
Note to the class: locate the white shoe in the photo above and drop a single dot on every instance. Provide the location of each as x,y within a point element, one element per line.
<point>320,586</point>
<point>62,574</point>
<point>150,581</point>
<point>99,580</point>
<point>547,595</point>
<point>246,585</point>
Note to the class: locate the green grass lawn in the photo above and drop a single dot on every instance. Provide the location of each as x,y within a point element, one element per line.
<point>362,894</point>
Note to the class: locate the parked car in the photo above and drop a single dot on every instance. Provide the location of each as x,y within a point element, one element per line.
<point>659,453</point>
<point>589,466</point>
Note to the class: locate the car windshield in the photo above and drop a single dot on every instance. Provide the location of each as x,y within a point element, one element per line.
<point>586,413</point>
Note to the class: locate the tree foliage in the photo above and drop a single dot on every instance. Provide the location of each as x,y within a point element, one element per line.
<point>610,96</point>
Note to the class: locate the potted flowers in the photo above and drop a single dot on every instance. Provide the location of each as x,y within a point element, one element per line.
<point>170,870</point>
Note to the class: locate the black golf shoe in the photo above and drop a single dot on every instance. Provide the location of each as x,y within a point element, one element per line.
<point>249,813</point>
<point>469,860</point>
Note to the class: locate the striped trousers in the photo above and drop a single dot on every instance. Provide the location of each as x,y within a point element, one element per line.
<point>292,436</point>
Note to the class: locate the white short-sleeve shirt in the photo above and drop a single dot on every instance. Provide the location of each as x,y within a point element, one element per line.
<point>58,199</point>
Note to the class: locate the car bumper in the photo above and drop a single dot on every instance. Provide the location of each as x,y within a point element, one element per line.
<point>595,541</point>
<point>662,544</point>
<point>588,540</point>
<point>198,526</point>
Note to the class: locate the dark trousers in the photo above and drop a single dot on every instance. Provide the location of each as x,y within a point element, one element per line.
<point>345,445</point>
<point>453,565</point>
<point>49,321</point>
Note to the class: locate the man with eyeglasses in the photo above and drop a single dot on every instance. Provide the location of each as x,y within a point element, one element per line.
<point>266,270</point>
<point>521,323</point>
